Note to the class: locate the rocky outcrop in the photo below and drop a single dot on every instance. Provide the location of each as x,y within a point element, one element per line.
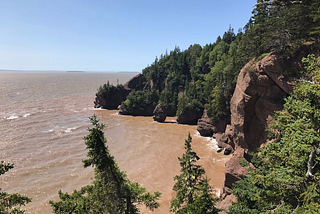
<point>137,82</point>
<point>115,95</point>
<point>225,141</point>
<point>146,111</point>
<point>256,97</point>
<point>160,114</point>
<point>206,127</point>
<point>189,116</point>
<point>260,90</point>
<point>111,99</point>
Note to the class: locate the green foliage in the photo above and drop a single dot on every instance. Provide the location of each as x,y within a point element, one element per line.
<point>111,191</point>
<point>186,104</point>
<point>288,176</point>
<point>312,66</point>
<point>243,162</point>
<point>138,100</point>
<point>194,194</point>
<point>11,203</point>
<point>279,25</point>
<point>168,99</point>
<point>107,90</point>
<point>261,57</point>
<point>208,74</point>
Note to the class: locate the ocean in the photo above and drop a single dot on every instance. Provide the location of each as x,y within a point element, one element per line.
<point>44,117</point>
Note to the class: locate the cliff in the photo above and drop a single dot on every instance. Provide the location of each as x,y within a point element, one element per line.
<point>260,91</point>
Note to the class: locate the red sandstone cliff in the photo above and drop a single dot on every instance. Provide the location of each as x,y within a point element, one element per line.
<point>260,90</point>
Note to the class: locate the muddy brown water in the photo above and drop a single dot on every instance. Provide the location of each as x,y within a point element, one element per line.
<point>43,118</point>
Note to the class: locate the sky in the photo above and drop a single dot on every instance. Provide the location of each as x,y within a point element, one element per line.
<point>109,35</point>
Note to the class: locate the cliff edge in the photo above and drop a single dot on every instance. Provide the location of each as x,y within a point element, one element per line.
<point>260,91</point>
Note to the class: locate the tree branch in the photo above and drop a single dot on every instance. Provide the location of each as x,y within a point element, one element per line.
<point>315,151</point>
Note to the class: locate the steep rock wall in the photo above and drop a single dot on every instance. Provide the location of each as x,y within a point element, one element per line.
<point>260,91</point>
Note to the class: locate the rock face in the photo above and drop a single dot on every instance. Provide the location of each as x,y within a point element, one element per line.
<point>260,90</point>
<point>190,117</point>
<point>160,114</point>
<point>111,100</point>
<point>118,94</point>
<point>225,141</point>
<point>206,127</point>
<point>135,82</point>
<point>255,99</point>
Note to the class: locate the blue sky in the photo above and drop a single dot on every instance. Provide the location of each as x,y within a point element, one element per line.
<point>109,35</point>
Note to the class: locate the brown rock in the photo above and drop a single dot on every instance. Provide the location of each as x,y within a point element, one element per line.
<point>136,82</point>
<point>254,101</point>
<point>233,170</point>
<point>225,203</point>
<point>159,114</point>
<point>206,127</point>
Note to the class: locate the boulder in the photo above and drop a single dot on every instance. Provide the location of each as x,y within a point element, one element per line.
<point>223,142</point>
<point>233,170</point>
<point>160,114</point>
<point>206,127</point>
<point>225,203</point>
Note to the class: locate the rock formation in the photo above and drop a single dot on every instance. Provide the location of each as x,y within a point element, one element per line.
<point>189,116</point>
<point>118,94</point>
<point>112,99</point>
<point>160,114</point>
<point>260,90</point>
<point>206,127</point>
<point>136,82</point>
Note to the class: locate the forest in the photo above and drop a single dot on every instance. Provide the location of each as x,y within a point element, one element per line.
<point>286,178</point>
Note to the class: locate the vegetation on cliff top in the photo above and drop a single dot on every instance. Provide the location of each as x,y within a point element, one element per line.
<point>207,75</point>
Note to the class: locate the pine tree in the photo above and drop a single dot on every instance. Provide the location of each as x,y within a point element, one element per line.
<point>194,194</point>
<point>111,191</point>
<point>11,203</point>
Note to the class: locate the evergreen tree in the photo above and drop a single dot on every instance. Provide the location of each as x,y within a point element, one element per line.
<point>111,191</point>
<point>11,203</point>
<point>194,194</point>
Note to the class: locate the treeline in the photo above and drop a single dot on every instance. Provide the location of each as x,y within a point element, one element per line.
<point>204,77</point>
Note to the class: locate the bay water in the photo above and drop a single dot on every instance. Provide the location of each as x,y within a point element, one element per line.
<point>43,118</point>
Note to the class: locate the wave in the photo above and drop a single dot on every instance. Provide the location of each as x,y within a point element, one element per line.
<point>72,129</point>
<point>12,117</point>
<point>212,144</point>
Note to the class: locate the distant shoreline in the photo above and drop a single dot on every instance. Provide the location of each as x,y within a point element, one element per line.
<point>56,71</point>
